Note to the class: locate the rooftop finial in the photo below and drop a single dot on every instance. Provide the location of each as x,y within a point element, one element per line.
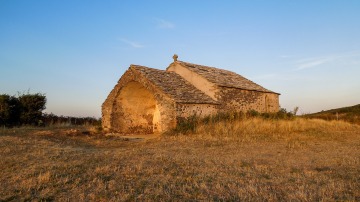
<point>175,57</point>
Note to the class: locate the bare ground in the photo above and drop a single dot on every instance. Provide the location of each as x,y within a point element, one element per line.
<point>62,164</point>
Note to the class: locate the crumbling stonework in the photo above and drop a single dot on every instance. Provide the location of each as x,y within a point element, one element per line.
<point>233,99</point>
<point>147,100</point>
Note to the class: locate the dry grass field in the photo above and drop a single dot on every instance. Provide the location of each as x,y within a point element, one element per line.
<point>252,160</point>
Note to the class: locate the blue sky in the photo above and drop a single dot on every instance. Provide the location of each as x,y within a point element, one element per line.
<point>75,51</point>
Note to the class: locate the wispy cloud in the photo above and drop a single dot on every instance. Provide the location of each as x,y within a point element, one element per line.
<point>132,43</point>
<point>314,62</point>
<point>311,63</point>
<point>164,24</point>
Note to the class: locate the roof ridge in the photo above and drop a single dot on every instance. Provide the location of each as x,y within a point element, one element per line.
<point>133,65</point>
<point>206,66</point>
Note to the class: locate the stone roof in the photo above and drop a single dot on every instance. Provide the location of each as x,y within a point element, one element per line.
<point>224,78</point>
<point>174,85</point>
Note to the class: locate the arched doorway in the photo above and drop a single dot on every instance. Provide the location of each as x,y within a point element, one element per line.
<point>137,110</point>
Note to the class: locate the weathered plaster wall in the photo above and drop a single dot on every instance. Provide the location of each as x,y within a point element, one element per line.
<point>233,99</point>
<point>272,102</point>
<point>118,117</point>
<point>138,105</point>
<point>195,79</point>
<point>201,110</point>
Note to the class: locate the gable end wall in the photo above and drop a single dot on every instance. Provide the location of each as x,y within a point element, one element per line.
<point>195,79</point>
<point>113,118</point>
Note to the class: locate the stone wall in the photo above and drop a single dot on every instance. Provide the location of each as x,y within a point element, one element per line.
<point>233,99</point>
<point>201,110</point>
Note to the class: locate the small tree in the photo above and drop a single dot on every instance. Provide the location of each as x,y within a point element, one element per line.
<point>32,106</point>
<point>9,110</point>
<point>4,109</point>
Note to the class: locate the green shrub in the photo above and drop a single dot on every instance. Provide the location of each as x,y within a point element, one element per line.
<point>26,109</point>
<point>32,106</point>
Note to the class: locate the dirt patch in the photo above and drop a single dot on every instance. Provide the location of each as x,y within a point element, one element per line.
<point>133,137</point>
<point>44,132</point>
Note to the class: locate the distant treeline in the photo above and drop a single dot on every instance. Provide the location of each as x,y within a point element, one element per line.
<point>26,109</point>
<point>54,120</point>
<point>350,114</point>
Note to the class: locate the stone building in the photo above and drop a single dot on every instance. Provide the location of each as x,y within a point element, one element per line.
<point>147,100</point>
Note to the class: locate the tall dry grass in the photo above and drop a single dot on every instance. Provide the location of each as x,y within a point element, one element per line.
<point>272,129</point>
